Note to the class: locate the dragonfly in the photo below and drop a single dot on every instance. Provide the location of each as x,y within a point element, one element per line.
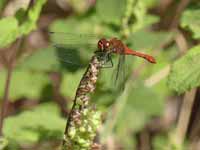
<point>104,49</point>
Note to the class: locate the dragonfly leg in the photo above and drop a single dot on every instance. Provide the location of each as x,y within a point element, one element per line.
<point>110,64</point>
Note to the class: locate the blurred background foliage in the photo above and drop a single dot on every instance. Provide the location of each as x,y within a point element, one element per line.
<point>43,79</point>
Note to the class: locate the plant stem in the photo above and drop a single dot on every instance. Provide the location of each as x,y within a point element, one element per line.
<point>82,115</point>
<point>185,113</point>
<point>4,105</point>
<point>181,6</point>
<point>16,49</point>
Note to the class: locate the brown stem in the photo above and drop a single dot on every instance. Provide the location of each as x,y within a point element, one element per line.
<point>181,6</point>
<point>86,86</point>
<point>185,114</point>
<point>9,66</point>
<point>11,61</point>
<point>5,98</point>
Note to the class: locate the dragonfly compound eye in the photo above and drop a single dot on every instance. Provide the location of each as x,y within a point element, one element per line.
<point>103,44</point>
<point>100,45</point>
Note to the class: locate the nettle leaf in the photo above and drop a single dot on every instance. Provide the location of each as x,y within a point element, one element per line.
<point>185,72</point>
<point>8,30</point>
<point>24,84</point>
<point>191,20</point>
<point>41,123</point>
<point>111,11</point>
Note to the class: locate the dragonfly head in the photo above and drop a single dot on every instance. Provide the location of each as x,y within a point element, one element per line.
<point>103,45</point>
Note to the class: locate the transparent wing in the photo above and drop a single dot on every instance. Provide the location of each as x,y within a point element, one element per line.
<point>74,40</point>
<point>119,73</point>
<point>73,49</point>
<point>69,56</point>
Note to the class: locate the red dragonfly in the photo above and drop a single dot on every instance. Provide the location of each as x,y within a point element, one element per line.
<point>105,48</point>
<point>116,46</point>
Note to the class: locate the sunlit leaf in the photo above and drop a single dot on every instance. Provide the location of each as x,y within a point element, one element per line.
<point>41,60</point>
<point>159,142</point>
<point>191,20</point>
<point>70,82</point>
<point>90,25</point>
<point>150,3</point>
<point>79,6</point>
<point>139,13</point>
<point>8,30</point>
<point>185,72</point>
<point>11,28</point>
<point>3,143</point>
<point>143,39</point>
<point>24,84</point>
<point>55,59</point>
<point>111,11</point>
<point>29,126</point>
<point>137,109</point>
<point>132,110</point>
<point>30,24</point>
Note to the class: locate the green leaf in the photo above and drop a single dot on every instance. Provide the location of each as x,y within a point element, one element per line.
<point>150,3</point>
<point>191,20</point>
<point>185,72</point>
<point>82,26</point>
<point>111,11</point>
<point>144,39</point>
<point>149,20</point>
<point>139,13</point>
<point>73,25</point>
<point>70,83</point>
<point>54,59</point>
<point>2,3</point>
<point>24,84</point>
<point>33,15</point>
<point>139,108</point>
<point>132,110</point>
<point>41,123</point>
<point>3,143</point>
<point>79,6</point>
<point>159,142</point>
<point>41,60</point>
<point>8,30</point>
<point>9,26</point>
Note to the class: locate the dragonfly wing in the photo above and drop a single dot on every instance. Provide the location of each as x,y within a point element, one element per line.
<point>73,50</point>
<point>120,73</point>
<point>71,57</point>
<point>73,40</point>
